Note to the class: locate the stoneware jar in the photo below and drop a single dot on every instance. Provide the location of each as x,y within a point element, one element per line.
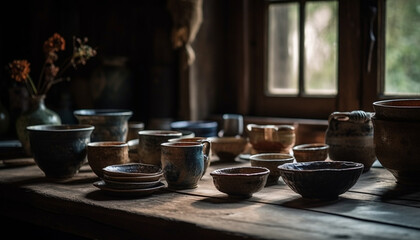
<point>350,137</point>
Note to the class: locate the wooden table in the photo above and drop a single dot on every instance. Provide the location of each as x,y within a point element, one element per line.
<point>375,208</point>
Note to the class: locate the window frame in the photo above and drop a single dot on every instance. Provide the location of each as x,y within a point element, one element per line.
<point>357,89</point>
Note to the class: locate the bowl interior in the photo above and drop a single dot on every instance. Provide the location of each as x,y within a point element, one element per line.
<point>311,147</point>
<point>240,171</point>
<point>132,169</point>
<point>102,112</point>
<point>321,166</point>
<point>60,128</point>
<point>267,157</point>
<point>228,140</point>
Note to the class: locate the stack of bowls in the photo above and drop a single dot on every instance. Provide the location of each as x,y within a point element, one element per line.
<point>131,179</point>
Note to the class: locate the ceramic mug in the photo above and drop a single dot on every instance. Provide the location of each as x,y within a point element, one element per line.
<point>148,149</point>
<point>183,163</point>
<point>196,140</point>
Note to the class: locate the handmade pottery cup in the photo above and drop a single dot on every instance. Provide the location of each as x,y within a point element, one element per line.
<point>183,163</point>
<point>110,124</point>
<point>59,150</point>
<point>103,154</point>
<point>233,125</point>
<point>149,147</point>
<point>271,138</point>
<point>196,140</point>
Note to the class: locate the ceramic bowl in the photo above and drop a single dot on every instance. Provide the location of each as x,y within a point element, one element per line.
<point>110,124</point>
<point>321,179</point>
<point>149,146</point>
<point>200,128</point>
<point>397,149</point>
<point>132,170</point>
<point>134,128</point>
<point>228,148</point>
<point>59,150</point>
<point>271,138</point>
<point>271,161</point>
<point>398,109</point>
<point>240,181</point>
<point>103,154</point>
<point>310,152</point>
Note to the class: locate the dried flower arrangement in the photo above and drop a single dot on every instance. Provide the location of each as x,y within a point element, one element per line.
<point>51,73</point>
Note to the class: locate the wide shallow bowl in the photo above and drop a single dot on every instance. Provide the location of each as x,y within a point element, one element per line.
<point>321,179</point>
<point>110,124</point>
<point>240,181</point>
<point>398,109</point>
<point>310,152</point>
<point>132,170</point>
<point>228,148</point>
<point>127,192</point>
<point>103,154</point>
<point>397,147</point>
<point>59,150</point>
<point>200,128</point>
<point>131,179</point>
<point>271,161</point>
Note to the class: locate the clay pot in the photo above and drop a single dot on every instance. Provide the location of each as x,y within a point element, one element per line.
<point>350,137</point>
<point>396,139</point>
<point>104,154</point>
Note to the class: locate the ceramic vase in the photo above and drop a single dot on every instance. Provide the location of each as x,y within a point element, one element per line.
<point>37,114</point>
<point>350,137</point>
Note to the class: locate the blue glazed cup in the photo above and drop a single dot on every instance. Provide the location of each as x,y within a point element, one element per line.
<point>183,163</point>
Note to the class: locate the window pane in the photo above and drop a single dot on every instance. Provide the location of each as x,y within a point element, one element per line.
<point>321,28</point>
<point>283,48</point>
<point>402,61</point>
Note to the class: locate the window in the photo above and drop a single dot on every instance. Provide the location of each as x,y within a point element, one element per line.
<point>315,57</point>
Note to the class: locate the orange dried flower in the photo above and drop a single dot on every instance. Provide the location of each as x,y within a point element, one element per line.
<point>54,44</point>
<point>19,70</point>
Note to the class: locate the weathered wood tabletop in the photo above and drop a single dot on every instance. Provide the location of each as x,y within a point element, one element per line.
<point>375,208</point>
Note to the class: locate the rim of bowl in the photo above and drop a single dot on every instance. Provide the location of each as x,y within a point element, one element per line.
<point>103,112</point>
<point>114,144</point>
<point>60,128</point>
<point>227,139</point>
<point>353,166</point>
<point>398,103</point>
<point>311,147</point>
<point>181,144</point>
<point>188,139</point>
<point>221,172</point>
<point>256,157</point>
<point>159,133</point>
<point>193,124</point>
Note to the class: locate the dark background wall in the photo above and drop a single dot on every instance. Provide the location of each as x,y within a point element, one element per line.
<point>138,31</point>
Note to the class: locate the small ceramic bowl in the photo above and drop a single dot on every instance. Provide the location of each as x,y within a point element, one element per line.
<point>321,179</point>
<point>200,128</point>
<point>228,148</point>
<point>271,161</point>
<point>310,152</point>
<point>240,181</point>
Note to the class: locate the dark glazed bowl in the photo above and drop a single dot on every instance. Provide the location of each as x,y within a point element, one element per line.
<point>59,150</point>
<point>321,179</point>
<point>110,124</point>
<point>240,181</point>
<point>398,109</point>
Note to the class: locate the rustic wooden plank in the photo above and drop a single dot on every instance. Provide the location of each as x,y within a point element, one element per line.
<point>275,212</point>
